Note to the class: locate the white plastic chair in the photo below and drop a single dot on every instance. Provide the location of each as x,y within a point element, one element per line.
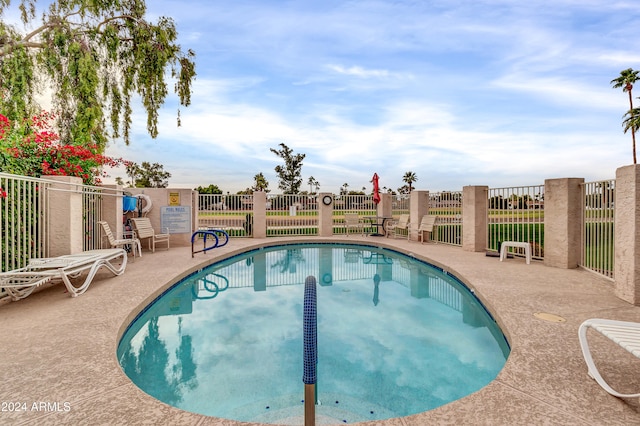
<point>399,228</point>
<point>352,221</point>
<point>426,225</point>
<point>120,242</point>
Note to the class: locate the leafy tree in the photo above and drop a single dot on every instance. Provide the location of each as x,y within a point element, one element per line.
<point>211,190</point>
<point>260,183</point>
<point>95,56</point>
<point>290,176</point>
<point>626,80</point>
<point>148,175</point>
<point>409,178</point>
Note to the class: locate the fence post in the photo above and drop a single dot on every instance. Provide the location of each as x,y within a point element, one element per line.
<point>563,222</point>
<point>325,215</point>
<point>627,234</point>
<point>418,207</point>
<point>259,214</point>
<point>65,227</point>
<point>385,207</point>
<point>475,208</point>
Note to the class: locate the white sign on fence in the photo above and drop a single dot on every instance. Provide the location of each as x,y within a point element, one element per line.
<point>177,219</point>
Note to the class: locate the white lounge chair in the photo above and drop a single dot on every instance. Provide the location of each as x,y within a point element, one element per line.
<point>20,283</point>
<point>121,242</point>
<point>401,227</point>
<point>626,334</point>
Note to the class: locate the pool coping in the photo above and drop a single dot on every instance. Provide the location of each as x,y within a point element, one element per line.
<point>63,350</point>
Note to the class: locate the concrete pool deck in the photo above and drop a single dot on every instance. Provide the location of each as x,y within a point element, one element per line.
<point>59,361</point>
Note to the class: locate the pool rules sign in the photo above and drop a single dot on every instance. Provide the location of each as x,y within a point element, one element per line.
<point>176,219</point>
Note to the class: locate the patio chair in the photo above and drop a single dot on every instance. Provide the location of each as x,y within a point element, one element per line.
<point>21,282</point>
<point>625,334</point>
<point>122,242</point>
<point>401,227</point>
<point>142,230</point>
<point>426,225</point>
<point>352,221</point>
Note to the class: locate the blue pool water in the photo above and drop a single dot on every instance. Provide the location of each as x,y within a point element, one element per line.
<point>396,336</point>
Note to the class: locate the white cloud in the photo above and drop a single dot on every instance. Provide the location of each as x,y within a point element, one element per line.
<point>491,92</point>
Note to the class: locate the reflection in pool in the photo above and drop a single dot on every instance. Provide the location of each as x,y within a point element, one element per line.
<point>395,337</point>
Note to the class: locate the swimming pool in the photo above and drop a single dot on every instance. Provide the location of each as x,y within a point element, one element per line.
<point>396,336</point>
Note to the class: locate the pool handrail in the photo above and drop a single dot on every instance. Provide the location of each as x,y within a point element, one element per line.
<point>215,233</point>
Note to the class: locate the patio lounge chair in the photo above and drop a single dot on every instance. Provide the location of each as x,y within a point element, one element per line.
<point>20,283</point>
<point>426,225</point>
<point>401,227</point>
<point>121,242</point>
<point>625,334</point>
<point>143,230</point>
<point>352,221</point>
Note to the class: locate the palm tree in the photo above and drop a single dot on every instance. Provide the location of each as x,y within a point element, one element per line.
<point>632,121</point>
<point>313,183</point>
<point>625,80</point>
<point>409,178</point>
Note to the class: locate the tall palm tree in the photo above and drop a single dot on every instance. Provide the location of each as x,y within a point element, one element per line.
<point>631,120</point>
<point>625,80</point>
<point>313,183</point>
<point>409,178</point>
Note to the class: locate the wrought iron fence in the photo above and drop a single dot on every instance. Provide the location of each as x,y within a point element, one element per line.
<point>231,213</point>
<point>598,231</point>
<point>289,215</point>
<point>447,206</point>
<point>400,205</point>
<point>23,218</point>
<point>517,214</point>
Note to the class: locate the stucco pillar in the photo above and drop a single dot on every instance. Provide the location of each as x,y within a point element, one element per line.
<point>385,205</point>
<point>259,214</point>
<point>65,227</point>
<point>418,207</point>
<point>475,205</point>
<point>325,214</point>
<point>627,234</point>
<point>563,222</point>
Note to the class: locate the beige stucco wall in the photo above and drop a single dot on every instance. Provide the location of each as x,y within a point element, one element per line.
<point>160,198</point>
<point>325,215</point>
<point>627,234</point>
<point>563,222</point>
<point>65,216</point>
<point>418,207</point>
<point>474,218</point>
<point>259,228</point>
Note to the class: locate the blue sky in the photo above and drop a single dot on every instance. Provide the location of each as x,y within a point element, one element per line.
<point>482,92</point>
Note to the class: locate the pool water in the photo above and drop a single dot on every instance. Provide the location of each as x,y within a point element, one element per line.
<point>396,337</point>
